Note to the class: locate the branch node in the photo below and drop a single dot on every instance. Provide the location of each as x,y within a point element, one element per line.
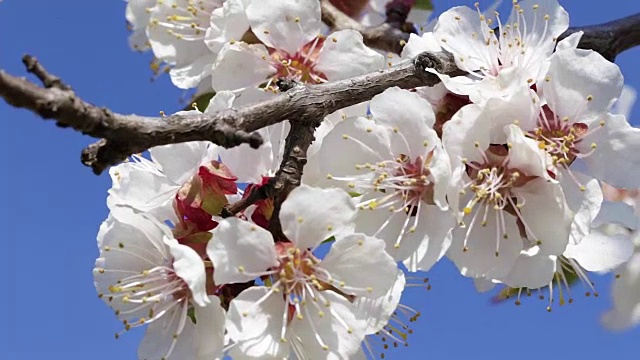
<point>48,80</point>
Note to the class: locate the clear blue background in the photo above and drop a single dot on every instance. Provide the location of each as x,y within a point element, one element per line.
<point>52,207</point>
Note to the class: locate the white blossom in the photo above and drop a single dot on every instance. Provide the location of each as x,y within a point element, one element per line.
<point>399,171</point>
<point>306,306</point>
<point>147,277</point>
<point>498,65</point>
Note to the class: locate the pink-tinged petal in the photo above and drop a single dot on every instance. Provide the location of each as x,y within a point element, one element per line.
<point>359,265</point>
<point>239,250</point>
<point>329,338</point>
<point>601,252</point>
<point>241,65</point>
<point>285,24</point>
<point>418,44</point>
<point>409,116</point>
<point>531,270</point>
<point>379,310</point>
<point>254,323</point>
<point>581,84</point>
<point>480,259</point>
<point>179,162</point>
<point>189,266</point>
<point>312,215</point>
<point>585,204</point>
<point>546,215</point>
<point>228,23</point>
<point>344,55</point>
<point>615,159</point>
<point>461,32</point>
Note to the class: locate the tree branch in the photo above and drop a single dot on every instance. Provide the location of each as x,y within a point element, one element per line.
<point>124,135</point>
<point>610,39</point>
<point>387,36</point>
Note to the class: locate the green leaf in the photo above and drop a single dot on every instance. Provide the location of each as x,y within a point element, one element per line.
<point>354,194</point>
<point>423,5</point>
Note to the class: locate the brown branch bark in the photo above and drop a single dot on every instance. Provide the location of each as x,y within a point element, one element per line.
<point>388,36</point>
<point>123,135</point>
<point>610,39</point>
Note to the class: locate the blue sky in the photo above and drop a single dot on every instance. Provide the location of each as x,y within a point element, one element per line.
<point>52,207</point>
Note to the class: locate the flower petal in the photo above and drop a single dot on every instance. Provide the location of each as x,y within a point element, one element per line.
<point>360,265</point>
<point>409,116</point>
<point>379,310</point>
<point>436,226</point>
<point>616,156</point>
<point>189,266</point>
<point>254,323</point>
<point>228,23</point>
<point>344,55</point>
<point>480,259</point>
<point>320,335</point>
<point>455,30</point>
<point>179,162</point>
<point>601,252</point>
<point>142,187</point>
<point>285,24</point>
<point>584,204</point>
<point>531,270</point>
<point>312,215</point>
<point>241,65</point>
<point>418,44</point>
<point>545,204</point>
<point>576,75</point>
<point>239,250</point>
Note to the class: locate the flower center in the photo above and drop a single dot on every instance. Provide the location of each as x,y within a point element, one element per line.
<point>561,139</point>
<point>491,183</point>
<point>299,67</point>
<point>143,297</point>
